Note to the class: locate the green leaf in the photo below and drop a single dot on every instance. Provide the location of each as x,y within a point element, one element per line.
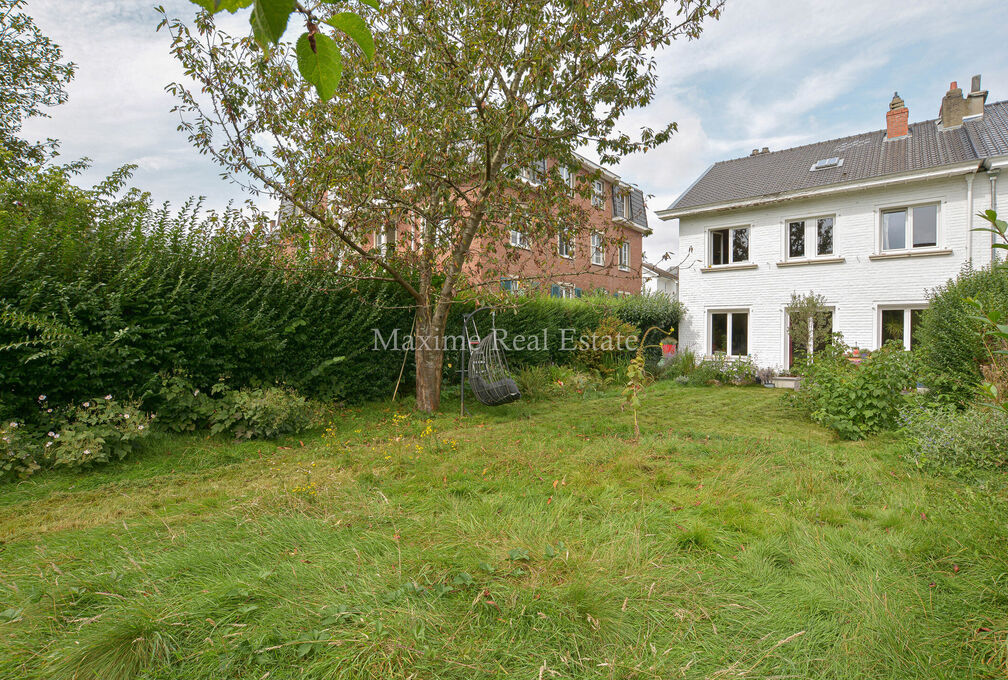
<point>372,3</point>
<point>269,20</point>
<point>214,6</point>
<point>322,65</point>
<point>354,26</point>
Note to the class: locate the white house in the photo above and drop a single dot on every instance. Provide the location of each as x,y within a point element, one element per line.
<point>871,222</point>
<point>660,280</point>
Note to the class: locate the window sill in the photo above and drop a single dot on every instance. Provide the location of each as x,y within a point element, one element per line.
<point>928,252</point>
<point>598,264</point>
<point>624,269</point>
<point>728,267</point>
<point>811,260</point>
<point>520,247</point>
<point>565,257</point>
<point>621,220</point>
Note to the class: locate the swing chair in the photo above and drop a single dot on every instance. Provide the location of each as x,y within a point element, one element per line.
<point>489,377</point>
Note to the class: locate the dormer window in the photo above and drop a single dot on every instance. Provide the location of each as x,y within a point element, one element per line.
<point>826,163</point>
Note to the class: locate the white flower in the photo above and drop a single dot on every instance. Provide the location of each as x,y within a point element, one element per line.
<point>13,424</point>
<point>108,397</point>
<point>86,452</point>
<point>195,393</point>
<point>55,436</point>
<point>51,433</point>
<point>48,410</point>
<point>140,427</point>
<point>86,404</point>
<point>126,416</point>
<point>41,397</point>
<point>48,444</point>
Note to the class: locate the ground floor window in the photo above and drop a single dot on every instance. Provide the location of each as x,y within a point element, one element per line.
<point>564,290</point>
<point>729,333</point>
<point>901,325</point>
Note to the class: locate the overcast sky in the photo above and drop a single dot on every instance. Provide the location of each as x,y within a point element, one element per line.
<point>773,73</point>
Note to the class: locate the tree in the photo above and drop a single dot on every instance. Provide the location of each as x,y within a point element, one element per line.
<point>434,144</point>
<point>32,78</point>
<point>811,324</point>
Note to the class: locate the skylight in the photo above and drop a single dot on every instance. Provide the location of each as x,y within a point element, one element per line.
<point>826,163</point>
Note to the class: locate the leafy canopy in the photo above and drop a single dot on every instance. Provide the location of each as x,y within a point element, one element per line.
<point>318,58</point>
<point>32,78</point>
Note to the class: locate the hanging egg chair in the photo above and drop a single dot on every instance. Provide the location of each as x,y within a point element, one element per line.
<point>489,377</point>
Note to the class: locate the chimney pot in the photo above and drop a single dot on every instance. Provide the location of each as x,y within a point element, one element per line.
<point>766,149</point>
<point>953,85</point>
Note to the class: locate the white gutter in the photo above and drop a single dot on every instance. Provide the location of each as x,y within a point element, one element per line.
<point>814,192</point>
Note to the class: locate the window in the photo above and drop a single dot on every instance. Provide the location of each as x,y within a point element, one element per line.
<point>565,244</point>
<point>894,323</point>
<point>568,176</point>
<point>825,163</point>
<point>820,336</point>
<point>518,239</point>
<point>598,194</point>
<point>620,203</point>
<point>729,333</point>
<point>598,250</point>
<point>802,233</point>
<point>564,290</point>
<point>384,240</point>
<point>916,226</point>
<point>624,256</point>
<point>533,174</point>
<point>729,246</point>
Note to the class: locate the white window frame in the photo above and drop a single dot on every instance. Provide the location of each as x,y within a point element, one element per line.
<point>598,194</point>
<point>566,291</point>
<point>908,235</point>
<point>565,246</point>
<point>597,249</point>
<point>529,176</point>
<point>811,237</point>
<point>907,308</point>
<point>518,239</point>
<point>709,347</point>
<point>624,256</point>
<point>731,244</point>
<point>568,176</point>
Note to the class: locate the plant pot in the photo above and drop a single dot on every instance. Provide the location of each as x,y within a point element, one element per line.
<point>787,382</point>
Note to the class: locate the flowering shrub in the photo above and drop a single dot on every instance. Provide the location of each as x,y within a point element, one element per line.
<point>97,431</point>
<point>17,456</point>
<point>976,438</point>
<point>261,413</point>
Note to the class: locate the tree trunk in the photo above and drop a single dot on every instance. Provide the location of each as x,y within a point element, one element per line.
<point>429,353</point>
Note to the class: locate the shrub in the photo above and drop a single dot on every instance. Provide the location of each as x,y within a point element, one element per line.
<point>949,345</point>
<point>856,400</point>
<point>260,413</point>
<point>607,346</point>
<point>679,365</point>
<point>98,431</point>
<point>723,370</point>
<point>550,380</point>
<point>180,406</point>
<point>945,437</point>
<point>17,455</point>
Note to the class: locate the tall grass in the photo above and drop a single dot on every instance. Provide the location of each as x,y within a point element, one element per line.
<point>732,541</point>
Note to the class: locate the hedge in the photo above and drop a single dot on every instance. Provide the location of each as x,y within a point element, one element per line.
<point>111,293</point>
<point>948,346</point>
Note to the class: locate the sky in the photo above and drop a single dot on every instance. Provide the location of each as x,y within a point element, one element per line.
<point>769,73</point>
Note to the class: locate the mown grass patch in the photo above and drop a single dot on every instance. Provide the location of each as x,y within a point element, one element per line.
<point>535,540</point>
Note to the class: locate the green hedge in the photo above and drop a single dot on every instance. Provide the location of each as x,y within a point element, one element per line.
<point>112,293</point>
<point>948,344</point>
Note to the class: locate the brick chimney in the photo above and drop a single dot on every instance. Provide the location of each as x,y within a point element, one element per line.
<point>955,107</point>
<point>897,118</point>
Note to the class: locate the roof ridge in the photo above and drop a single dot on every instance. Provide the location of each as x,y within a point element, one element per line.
<point>844,138</point>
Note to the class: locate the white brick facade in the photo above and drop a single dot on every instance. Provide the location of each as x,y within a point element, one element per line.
<point>857,288</point>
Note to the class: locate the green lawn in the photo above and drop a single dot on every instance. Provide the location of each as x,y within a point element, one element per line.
<point>734,540</point>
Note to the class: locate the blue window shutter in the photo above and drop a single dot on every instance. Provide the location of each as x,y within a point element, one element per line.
<point>505,284</point>
<point>554,290</point>
<point>577,292</point>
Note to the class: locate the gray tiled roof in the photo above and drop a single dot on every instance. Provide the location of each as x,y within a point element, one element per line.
<point>865,156</point>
